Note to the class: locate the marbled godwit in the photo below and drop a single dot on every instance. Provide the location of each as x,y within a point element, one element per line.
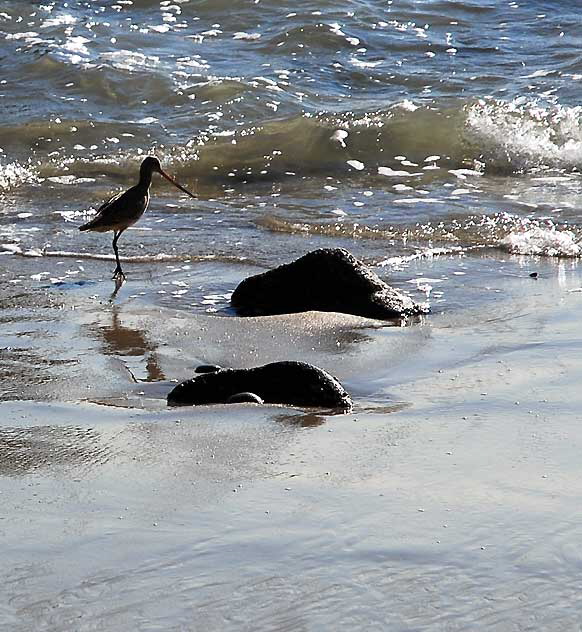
<point>124,209</point>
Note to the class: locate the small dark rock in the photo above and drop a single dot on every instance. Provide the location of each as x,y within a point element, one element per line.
<point>329,280</point>
<point>533,275</point>
<point>207,368</point>
<point>294,383</point>
<point>241,398</point>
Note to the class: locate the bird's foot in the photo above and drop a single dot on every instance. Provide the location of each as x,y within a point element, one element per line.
<point>118,275</point>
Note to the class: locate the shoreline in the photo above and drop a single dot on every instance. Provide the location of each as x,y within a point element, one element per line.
<point>456,508</point>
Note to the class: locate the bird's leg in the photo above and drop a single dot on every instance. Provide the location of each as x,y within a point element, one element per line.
<point>118,273</point>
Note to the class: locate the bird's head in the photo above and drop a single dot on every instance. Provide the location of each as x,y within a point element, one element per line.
<point>151,164</point>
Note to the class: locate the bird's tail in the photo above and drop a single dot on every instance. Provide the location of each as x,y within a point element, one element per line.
<point>88,225</point>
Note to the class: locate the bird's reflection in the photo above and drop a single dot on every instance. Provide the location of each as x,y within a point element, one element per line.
<point>119,281</point>
<point>121,340</point>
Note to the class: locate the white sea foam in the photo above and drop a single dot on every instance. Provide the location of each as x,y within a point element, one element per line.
<point>339,136</point>
<point>243,35</point>
<point>413,200</point>
<point>407,105</point>
<point>63,19</point>
<point>25,35</point>
<point>523,136</point>
<point>387,171</point>
<point>542,241</point>
<point>130,60</point>
<point>428,253</point>
<point>361,63</point>
<point>69,179</point>
<point>14,174</point>
<point>159,28</point>
<point>16,249</point>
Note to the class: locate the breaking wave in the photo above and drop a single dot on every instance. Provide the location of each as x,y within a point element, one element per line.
<point>406,140</point>
<point>514,234</point>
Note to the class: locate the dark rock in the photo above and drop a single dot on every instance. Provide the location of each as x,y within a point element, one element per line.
<point>207,368</point>
<point>242,398</point>
<point>329,280</point>
<point>294,383</point>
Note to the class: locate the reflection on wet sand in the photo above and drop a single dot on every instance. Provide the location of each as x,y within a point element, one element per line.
<point>311,419</point>
<point>118,285</point>
<point>303,420</point>
<point>31,356</point>
<point>15,371</point>
<point>26,450</point>
<point>121,340</point>
<point>346,341</point>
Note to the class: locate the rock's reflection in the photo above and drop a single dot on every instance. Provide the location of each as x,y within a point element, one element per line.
<point>304,420</point>
<point>346,341</point>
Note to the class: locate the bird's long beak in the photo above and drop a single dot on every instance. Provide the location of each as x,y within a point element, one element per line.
<point>179,186</point>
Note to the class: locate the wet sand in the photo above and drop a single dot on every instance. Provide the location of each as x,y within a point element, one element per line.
<point>449,499</point>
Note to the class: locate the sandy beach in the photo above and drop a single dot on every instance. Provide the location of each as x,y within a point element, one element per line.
<point>449,498</point>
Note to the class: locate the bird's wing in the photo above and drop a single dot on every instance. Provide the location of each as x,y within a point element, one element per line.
<point>120,212</point>
<point>110,201</point>
<point>115,207</point>
<point>103,214</point>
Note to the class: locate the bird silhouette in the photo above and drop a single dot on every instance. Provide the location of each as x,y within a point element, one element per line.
<point>124,209</point>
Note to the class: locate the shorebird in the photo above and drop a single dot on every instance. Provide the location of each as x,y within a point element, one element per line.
<point>124,209</point>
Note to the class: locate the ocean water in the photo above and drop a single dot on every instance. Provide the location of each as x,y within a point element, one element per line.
<point>394,129</point>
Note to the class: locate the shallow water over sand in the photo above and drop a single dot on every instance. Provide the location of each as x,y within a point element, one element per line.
<point>449,498</point>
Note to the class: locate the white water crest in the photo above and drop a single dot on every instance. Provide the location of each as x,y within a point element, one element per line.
<point>14,174</point>
<point>547,242</point>
<point>521,136</point>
